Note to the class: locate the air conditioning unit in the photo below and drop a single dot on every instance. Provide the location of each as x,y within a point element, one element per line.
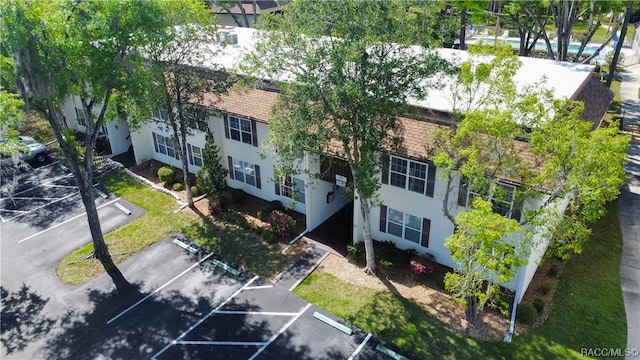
<point>227,37</point>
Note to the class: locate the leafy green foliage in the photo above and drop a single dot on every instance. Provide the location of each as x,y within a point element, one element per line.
<point>484,251</point>
<point>350,72</point>
<point>211,177</point>
<point>526,313</point>
<point>167,174</point>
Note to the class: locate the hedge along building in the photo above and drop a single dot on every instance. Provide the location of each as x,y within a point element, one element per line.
<point>411,192</point>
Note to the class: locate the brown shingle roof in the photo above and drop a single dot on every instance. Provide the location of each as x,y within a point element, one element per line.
<point>596,97</point>
<point>253,104</point>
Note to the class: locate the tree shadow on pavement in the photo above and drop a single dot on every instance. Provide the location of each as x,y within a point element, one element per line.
<point>22,320</point>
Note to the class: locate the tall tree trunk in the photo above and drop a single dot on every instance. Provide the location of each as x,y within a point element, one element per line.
<point>463,29</point>
<point>365,209</point>
<point>185,167</point>
<point>471,311</point>
<point>616,55</point>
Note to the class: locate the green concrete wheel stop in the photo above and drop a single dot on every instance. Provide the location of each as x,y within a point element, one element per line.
<point>100,193</point>
<point>185,246</point>
<point>225,267</point>
<point>122,208</point>
<point>333,323</point>
<point>63,167</point>
<point>390,353</point>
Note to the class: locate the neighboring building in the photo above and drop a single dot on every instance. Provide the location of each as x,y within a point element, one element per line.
<point>411,193</point>
<point>246,11</point>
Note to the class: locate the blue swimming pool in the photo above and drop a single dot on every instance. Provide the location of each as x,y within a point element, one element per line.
<point>540,45</point>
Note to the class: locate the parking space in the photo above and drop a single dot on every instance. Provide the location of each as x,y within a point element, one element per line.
<point>235,317</point>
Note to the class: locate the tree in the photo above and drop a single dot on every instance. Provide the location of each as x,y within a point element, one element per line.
<point>11,119</point>
<point>87,49</point>
<point>348,82</point>
<point>212,175</point>
<point>623,33</point>
<point>486,257</point>
<point>179,62</point>
<point>511,145</point>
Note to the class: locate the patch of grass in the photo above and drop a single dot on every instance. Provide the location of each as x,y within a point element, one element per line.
<point>614,114</point>
<point>588,300</point>
<point>159,221</point>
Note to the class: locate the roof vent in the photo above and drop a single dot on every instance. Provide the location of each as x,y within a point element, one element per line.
<point>228,37</point>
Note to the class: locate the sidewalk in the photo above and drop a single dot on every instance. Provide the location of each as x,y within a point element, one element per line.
<point>629,212</point>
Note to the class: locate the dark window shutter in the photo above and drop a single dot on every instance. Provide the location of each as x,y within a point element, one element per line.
<point>426,228</point>
<point>226,126</point>
<point>516,213</point>
<point>431,179</point>
<point>254,132</point>
<point>155,141</point>
<point>258,185</point>
<point>385,169</point>
<point>463,190</point>
<point>190,154</point>
<point>383,218</point>
<point>230,166</point>
<point>277,188</point>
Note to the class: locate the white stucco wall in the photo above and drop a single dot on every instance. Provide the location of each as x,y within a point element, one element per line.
<point>318,208</point>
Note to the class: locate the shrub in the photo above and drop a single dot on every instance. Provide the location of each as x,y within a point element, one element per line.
<point>177,187</point>
<point>166,174</point>
<point>386,263</point>
<point>217,204</point>
<point>527,313</point>
<point>195,191</point>
<point>554,270</point>
<point>238,196</point>
<point>356,250</point>
<point>546,288</point>
<point>539,304</point>
<point>281,223</point>
<point>237,219</point>
<point>274,206</point>
<point>269,236</point>
<point>418,268</point>
<point>259,214</point>
<point>409,253</point>
<point>153,168</point>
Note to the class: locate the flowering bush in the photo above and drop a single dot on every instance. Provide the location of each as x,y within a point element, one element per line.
<point>281,223</point>
<point>418,268</point>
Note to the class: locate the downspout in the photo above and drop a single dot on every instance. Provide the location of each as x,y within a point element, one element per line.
<point>512,325</point>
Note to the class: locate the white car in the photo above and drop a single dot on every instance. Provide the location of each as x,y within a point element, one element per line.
<point>37,153</point>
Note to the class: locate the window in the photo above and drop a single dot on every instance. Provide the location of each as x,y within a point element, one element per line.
<point>82,120</point>
<point>160,114</point>
<point>501,195</point>
<point>195,155</point>
<point>164,145</point>
<point>408,174</point>
<point>292,188</point>
<point>240,129</point>
<point>405,225</point>
<point>244,172</point>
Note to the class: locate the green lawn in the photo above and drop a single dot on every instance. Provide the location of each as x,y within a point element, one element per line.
<point>588,310</point>
<point>159,221</point>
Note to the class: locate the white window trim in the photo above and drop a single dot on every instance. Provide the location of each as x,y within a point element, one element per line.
<point>80,118</point>
<point>407,174</point>
<point>289,189</point>
<point>246,169</point>
<point>240,130</point>
<point>493,199</point>
<point>404,225</point>
<point>193,156</point>
<point>161,141</point>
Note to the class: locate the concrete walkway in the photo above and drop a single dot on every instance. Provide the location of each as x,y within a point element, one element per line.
<point>629,212</point>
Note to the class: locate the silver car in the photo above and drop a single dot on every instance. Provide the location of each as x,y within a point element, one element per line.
<point>37,153</point>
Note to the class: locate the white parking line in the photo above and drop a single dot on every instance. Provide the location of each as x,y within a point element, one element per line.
<point>41,206</point>
<point>158,289</point>
<point>269,313</point>
<point>46,183</point>
<point>220,343</point>
<point>282,330</point>
<point>359,348</point>
<point>203,319</point>
<point>64,222</point>
<point>259,287</point>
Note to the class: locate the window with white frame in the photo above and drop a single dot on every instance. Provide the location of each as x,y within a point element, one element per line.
<point>501,195</point>
<point>293,188</point>
<point>82,120</point>
<point>245,172</point>
<point>410,175</point>
<point>404,225</point>
<point>164,145</point>
<point>160,114</point>
<point>195,155</point>
<point>240,129</point>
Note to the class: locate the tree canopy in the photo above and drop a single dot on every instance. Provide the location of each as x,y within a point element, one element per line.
<point>345,74</point>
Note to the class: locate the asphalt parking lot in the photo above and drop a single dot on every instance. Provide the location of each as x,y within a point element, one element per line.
<point>181,304</point>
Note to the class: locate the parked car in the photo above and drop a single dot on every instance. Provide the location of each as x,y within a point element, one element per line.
<point>37,153</point>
